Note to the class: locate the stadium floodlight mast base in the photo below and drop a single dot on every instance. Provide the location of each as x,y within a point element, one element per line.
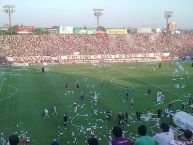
<point>167,15</point>
<point>9,9</point>
<point>98,13</point>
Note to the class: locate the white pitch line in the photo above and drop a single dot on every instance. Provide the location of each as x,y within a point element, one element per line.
<point>2,84</point>
<point>10,96</point>
<point>2,81</point>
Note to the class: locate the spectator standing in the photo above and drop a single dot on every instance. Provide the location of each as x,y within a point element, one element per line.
<point>118,137</point>
<point>93,140</point>
<point>144,139</point>
<point>165,136</point>
<point>188,137</point>
<point>13,139</point>
<point>55,143</point>
<point>188,140</point>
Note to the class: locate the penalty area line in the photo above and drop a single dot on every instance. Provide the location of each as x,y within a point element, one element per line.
<point>1,84</point>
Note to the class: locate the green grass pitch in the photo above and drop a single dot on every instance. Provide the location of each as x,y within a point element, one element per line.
<point>25,92</point>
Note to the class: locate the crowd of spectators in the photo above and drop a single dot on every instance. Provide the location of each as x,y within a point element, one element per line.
<point>164,137</point>
<point>60,45</point>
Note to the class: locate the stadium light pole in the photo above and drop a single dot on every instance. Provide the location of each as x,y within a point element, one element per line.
<point>167,15</point>
<point>9,9</point>
<point>98,13</point>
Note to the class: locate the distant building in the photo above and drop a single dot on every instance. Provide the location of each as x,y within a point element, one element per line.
<point>145,30</point>
<point>53,31</point>
<point>5,27</point>
<point>158,30</point>
<point>175,32</point>
<point>132,30</point>
<point>172,26</point>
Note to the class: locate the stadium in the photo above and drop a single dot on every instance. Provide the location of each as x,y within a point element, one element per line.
<point>70,84</point>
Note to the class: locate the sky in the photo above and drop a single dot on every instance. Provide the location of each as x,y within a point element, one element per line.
<point>117,13</point>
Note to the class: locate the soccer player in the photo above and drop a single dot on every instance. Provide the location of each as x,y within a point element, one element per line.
<point>119,118</point>
<point>82,96</point>
<point>170,104</point>
<point>138,114</point>
<point>76,109</point>
<point>133,88</point>
<point>46,113</point>
<point>160,65</point>
<point>66,85</point>
<point>126,92</point>
<point>54,110</point>
<point>77,84</point>
<point>159,111</point>
<point>43,69</point>
<point>101,83</point>
<point>131,102</point>
<point>149,91</point>
<point>126,117</point>
<point>65,119</point>
<point>109,114</point>
<point>183,105</point>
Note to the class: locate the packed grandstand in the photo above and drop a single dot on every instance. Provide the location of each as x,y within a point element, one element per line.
<point>93,48</point>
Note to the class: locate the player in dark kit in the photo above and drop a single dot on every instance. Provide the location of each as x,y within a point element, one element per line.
<point>126,92</point>
<point>138,114</point>
<point>65,119</point>
<point>119,118</point>
<point>149,91</point>
<point>77,84</point>
<point>159,111</point>
<point>160,65</point>
<point>43,69</point>
<point>126,117</point>
<point>183,105</point>
<point>66,85</point>
<point>109,114</point>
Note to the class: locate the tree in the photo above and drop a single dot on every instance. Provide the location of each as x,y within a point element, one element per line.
<point>14,30</point>
<point>39,31</point>
<point>55,27</point>
<point>7,32</point>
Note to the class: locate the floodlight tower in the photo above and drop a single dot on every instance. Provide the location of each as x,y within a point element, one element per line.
<point>167,15</point>
<point>9,9</point>
<point>98,13</point>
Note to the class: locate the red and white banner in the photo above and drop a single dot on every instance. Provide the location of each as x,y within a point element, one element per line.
<point>24,29</point>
